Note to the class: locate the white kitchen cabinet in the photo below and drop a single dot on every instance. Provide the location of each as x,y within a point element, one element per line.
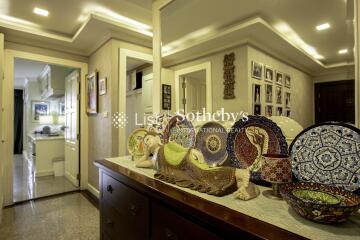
<point>52,82</point>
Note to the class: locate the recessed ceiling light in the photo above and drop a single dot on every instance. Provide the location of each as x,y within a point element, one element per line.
<point>323,26</point>
<point>343,51</point>
<point>41,12</point>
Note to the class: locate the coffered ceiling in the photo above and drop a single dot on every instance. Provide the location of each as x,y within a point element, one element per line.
<point>286,26</point>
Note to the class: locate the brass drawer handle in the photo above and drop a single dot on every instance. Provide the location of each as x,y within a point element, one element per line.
<point>109,188</point>
<point>133,209</point>
<point>170,234</point>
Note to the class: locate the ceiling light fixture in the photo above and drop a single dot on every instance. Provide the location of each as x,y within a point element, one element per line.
<point>41,12</point>
<point>343,51</point>
<point>323,26</point>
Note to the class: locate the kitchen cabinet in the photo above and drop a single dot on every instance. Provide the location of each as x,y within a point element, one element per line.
<point>52,82</point>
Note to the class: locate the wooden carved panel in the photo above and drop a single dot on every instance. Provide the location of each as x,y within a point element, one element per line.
<point>229,76</point>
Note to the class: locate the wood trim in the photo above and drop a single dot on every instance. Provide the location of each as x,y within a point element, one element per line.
<point>93,191</point>
<point>91,197</point>
<point>227,221</point>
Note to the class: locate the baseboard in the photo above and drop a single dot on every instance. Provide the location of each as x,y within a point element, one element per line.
<point>71,178</point>
<point>93,190</point>
<point>44,173</point>
<point>91,197</point>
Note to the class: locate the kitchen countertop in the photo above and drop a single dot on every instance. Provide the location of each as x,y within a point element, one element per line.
<point>41,137</point>
<point>275,213</point>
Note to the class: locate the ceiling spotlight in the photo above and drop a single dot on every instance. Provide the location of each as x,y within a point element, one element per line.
<point>323,26</point>
<point>41,12</point>
<point>343,51</point>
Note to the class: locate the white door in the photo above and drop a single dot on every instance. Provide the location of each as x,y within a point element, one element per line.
<point>1,126</point>
<point>72,127</point>
<point>147,94</point>
<point>195,95</point>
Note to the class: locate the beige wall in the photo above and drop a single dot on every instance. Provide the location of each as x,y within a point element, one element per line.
<point>103,137</point>
<point>302,89</point>
<point>336,74</point>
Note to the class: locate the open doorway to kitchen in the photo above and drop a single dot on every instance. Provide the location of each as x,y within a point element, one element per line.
<point>46,125</point>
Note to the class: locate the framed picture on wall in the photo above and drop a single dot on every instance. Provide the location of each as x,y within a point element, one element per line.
<point>256,70</point>
<point>287,100</point>
<point>91,93</point>
<point>102,86</point>
<point>269,74</point>
<point>257,109</point>
<point>268,93</point>
<point>279,78</point>
<point>256,93</point>
<point>287,80</point>
<point>268,110</point>
<point>278,94</point>
<point>288,113</point>
<point>279,111</point>
<point>39,108</point>
<point>166,97</point>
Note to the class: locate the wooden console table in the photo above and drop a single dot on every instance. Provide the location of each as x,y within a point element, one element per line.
<point>134,205</point>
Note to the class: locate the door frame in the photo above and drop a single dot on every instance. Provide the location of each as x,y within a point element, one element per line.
<point>8,95</point>
<point>124,53</point>
<point>203,66</point>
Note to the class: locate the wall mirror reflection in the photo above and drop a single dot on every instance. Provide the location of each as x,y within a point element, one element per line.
<point>284,62</point>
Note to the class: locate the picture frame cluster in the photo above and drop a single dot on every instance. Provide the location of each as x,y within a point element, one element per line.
<point>276,91</point>
<point>95,87</point>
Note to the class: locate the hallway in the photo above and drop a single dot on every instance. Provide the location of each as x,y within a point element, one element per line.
<point>67,217</point>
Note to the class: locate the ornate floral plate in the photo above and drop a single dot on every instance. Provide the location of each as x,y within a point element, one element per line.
<point>327,153</point>
<point>159,123</point>
<point>248,140</point>
<point>181,131</point>
<point>211,141</point>
<point>136,143</point>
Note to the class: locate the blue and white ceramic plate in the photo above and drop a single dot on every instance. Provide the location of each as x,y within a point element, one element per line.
<point>328,153</point>
<point>181,131</point>
<point>211,141</point>
<point>248,140</point>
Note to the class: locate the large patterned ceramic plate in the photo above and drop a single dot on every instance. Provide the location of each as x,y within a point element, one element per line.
<point>136,143</point>
<point>248,140</point>
<point>329,154</point>
<point>159,123</point>
<point>181,131</point>
<point>211,141</point>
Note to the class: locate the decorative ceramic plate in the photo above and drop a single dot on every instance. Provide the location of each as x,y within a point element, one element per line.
<point>320,202</point>
<point>181,131</point>
<point>211,141</point>
<point>159,123</point>
<point>328,153</point>
<point>248,140</point>
<point>136,143</point>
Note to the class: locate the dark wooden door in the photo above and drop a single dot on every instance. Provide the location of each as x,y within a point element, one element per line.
<point>335,101</point>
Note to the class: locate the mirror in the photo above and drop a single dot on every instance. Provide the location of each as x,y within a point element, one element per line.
<point>264,57</point>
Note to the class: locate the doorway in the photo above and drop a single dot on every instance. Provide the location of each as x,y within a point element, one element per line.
<point>335,101</point>
<point>43,129</point>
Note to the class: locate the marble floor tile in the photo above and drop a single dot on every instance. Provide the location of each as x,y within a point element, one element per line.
<point>26,186</point>
<point>67,217</point>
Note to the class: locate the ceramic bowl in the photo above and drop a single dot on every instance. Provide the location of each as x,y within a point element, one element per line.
<point>319,202</point>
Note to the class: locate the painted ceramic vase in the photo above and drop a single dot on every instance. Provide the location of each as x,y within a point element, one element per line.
<point>181,131</point>
<point>276,168</point>
<point>319,202</point>
<point>158,124</point>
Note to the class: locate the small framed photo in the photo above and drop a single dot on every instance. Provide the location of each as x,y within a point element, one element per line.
<point>268,93</point>
<point>287,100</point>
<point>39,108</point>
<point>269,74</point>
<point>256,70</point>
<point>91,93</point>
<point>257,109</point>
<point>279,78</point>
<point>257,93</point>
<point>102,86</point>
<point>278,95</point>
<point>61,108</point>
<point>287,80</point>
<point>268,110</point>
<point>166,97</point>
<point>279,111</point>
<point>288,113</point>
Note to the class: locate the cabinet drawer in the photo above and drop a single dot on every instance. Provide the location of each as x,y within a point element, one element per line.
<point>125,208</point>
<point>168,225</point>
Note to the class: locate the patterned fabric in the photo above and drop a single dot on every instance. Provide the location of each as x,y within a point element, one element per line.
<point>328,154</point>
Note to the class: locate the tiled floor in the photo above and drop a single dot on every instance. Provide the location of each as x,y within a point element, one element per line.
<point>26,186</point>
<point>69,217</point>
